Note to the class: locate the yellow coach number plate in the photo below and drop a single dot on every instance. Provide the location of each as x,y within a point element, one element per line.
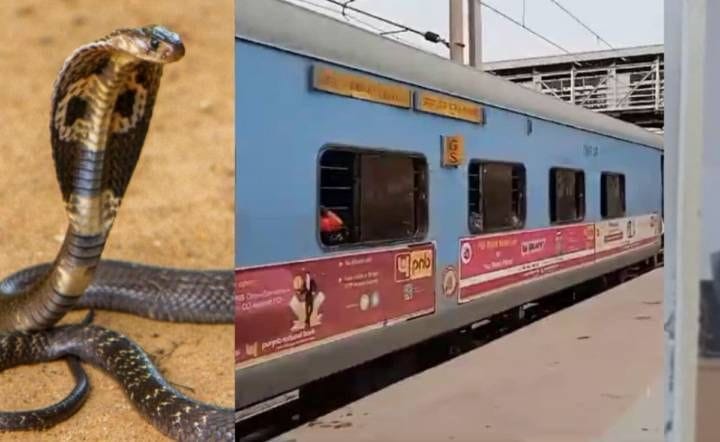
<point>449,107</point>
<point>453,154</point>
<point>361,87</point>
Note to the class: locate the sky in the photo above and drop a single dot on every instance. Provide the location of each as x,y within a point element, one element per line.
<point>622,23</point>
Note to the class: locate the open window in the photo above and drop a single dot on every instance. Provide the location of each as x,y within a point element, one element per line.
<point>378,196</point>
<point>612,195</point>
<point>496,196</point>
<point>567,195</point>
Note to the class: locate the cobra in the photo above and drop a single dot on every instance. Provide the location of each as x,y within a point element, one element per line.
<point>102,105</point>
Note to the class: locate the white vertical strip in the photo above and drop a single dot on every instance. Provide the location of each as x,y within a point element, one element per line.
<point>457,31</point>
<point>475,25</point>
<point>673,12</point>
<point>689,159</point>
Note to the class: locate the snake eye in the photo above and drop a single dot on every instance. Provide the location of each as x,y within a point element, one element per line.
<point>154,44</point>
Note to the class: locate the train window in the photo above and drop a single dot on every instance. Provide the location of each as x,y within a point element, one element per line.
<point>612,195</point>
<point>567,195</point>
<point>370,196</point>
<point>496,196</point>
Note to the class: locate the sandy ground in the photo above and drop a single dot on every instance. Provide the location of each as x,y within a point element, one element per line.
<point>178,210</point>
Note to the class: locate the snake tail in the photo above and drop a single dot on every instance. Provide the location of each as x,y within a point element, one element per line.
<point>44,418</point>
<point>169,410</point>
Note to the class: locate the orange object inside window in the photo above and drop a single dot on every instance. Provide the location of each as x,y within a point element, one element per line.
<point>330,222</point>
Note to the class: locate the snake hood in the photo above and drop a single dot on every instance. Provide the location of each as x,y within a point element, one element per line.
<point>101,109</point>
<point>156,44</point>
<point>103,100</point>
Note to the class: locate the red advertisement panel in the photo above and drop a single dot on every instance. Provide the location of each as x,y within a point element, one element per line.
<point>622,234</point>
<point>491,262</point>
<point>285,306</point>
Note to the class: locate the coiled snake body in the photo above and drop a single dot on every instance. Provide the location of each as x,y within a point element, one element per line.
<point>200,296</point>
<point>169,410</point>
<point>101,109</point>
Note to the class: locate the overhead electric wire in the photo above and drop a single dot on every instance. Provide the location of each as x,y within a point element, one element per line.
<point>344,7</point>
<point>532,31</point>
<point>390,34</point>
<point>362,22</point>
<point>564,9</point>
<point>430,36</point>
<point>324,8</point>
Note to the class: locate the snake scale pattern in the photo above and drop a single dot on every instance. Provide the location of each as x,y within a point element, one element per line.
<point>102,105</point>
<point>176,295</point>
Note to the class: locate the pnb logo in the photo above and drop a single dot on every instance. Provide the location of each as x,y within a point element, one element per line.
<point>413,265</point>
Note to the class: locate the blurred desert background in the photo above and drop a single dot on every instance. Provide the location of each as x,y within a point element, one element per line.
<point>178,210</point>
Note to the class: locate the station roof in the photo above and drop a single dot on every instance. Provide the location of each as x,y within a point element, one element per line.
<point>592,56</point>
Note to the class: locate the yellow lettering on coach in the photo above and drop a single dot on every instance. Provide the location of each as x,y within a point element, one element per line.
<point>421,264</point>
<point>413,265</point>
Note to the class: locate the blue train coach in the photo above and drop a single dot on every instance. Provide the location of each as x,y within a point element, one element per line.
<point>386,195</point>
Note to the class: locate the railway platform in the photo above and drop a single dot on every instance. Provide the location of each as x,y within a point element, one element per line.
<point>591,372</point>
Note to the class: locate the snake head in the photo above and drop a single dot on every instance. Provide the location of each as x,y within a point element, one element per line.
<point>156,44</point>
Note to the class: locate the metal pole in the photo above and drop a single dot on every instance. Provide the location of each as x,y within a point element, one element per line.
<point>687,260</point>
<point>673,11</point>
<point>657,83</point>
<point>475,25</point>
<point>701,68</point>
<point>612,89</point>
<point>457,31</point>
<point>537,81</point>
